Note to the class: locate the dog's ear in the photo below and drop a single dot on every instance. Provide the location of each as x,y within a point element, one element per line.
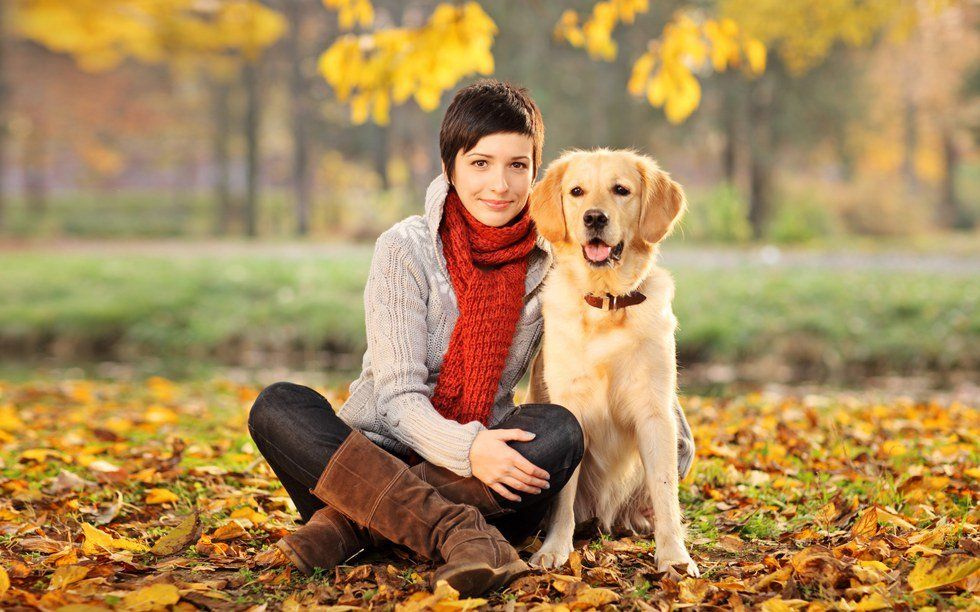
<point>662,204</point>
<point>546,207</point>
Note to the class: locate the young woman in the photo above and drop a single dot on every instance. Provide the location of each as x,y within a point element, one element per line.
<point>429,450</point>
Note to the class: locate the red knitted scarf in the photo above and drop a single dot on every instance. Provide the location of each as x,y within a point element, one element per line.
<point>487,266</point>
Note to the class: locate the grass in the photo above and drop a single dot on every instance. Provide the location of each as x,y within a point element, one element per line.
<point>174,313</point>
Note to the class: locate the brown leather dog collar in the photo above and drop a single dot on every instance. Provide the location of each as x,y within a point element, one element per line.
<point>615,301</point>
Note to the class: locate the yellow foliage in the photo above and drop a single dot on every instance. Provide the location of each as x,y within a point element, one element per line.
<point>100,34</point>
<point>595,34</point>
<point>803,32</point>
<point>350,11</point>
<point>665,72</point>
<point>373,71</point>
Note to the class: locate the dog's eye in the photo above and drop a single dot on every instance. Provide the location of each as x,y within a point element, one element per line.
<point>576,192</point>
<point>620,190</point>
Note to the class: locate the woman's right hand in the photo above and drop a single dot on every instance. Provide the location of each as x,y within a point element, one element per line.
<point>502,468</point>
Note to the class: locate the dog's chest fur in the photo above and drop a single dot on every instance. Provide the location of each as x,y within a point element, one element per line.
<point>599,364</point>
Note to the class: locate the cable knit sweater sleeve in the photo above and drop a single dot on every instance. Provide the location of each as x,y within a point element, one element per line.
<point>395,301</point>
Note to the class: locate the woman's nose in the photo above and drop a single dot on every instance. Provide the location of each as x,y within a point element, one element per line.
<point>499,183</point>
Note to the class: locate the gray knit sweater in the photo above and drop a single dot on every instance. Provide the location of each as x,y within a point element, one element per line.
<point>410,309</point>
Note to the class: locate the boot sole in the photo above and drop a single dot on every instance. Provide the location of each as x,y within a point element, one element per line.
<point>294,558</point>
<point>478,578</point>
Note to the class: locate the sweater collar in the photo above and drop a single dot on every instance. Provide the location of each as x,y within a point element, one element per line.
<point>539,261</point>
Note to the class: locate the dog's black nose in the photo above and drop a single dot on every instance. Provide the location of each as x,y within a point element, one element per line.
<point>595,219</point>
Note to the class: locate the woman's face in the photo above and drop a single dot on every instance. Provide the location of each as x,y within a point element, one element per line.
<point>494,177</point>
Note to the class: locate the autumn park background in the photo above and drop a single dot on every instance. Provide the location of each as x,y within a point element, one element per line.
<point>189,195</point>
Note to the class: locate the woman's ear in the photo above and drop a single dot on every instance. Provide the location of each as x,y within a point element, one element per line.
<point>662,202</point>
<point>546,206</point>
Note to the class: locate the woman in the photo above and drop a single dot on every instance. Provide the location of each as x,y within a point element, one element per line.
<point>453,319</point>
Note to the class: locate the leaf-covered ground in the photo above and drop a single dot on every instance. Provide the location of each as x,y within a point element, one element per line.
<point>151,496</point>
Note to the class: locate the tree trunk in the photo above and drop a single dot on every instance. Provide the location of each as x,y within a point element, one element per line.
<point>300,98</point>
<point>251,78</point>
<point>951,211</point>
<point>3,108</point>
<point>729,120</point>
<point>762,157</point>
<point>35,176</point>
<point>911,144</point>
<point>220,145</point>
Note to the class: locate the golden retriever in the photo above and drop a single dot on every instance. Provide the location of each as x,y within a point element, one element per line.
<point>612,361</point>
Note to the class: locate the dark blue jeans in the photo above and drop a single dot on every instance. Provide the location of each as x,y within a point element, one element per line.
<point>297,431</point>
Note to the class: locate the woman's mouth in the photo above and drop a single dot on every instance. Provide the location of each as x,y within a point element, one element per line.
<point>497,204</point>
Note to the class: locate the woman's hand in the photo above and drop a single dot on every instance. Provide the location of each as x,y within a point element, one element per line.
<point>499,466</point>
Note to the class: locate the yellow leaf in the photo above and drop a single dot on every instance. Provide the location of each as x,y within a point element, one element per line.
<point>256,517</point>
<point>756,52</point>
<point>932,572</point>
<point>693,590</point>
<point>594,598</point>
<point>161,496</point>
<point>154,597</point>
<point>874,601</point>
<point>4,581</point>
<point>178,538</point>
<point>97,541</point>
<point>41,455</point>
<point>229,531</point>
<point>867,524</point>
<point>65,576</point>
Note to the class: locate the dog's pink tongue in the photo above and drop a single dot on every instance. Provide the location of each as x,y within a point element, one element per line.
<point>597,252</point>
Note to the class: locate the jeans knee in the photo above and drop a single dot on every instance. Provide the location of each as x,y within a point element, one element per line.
<point>559,441</point>
<point>262,414</point>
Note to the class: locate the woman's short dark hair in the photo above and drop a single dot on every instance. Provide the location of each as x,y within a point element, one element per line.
<point>489,107</point>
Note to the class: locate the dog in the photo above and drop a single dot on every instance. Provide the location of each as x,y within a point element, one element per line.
<point>608,352</point>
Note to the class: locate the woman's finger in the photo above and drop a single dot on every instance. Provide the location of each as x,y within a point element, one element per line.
<point>505,492</point>
<point>518,435</point>
<point>517,485</point>
<point>526,478</point>
<point>529,468</point>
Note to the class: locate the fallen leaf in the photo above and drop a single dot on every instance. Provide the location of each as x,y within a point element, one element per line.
<point>932,572</point>
<point>4,581</point>
<point>593,598</point>
<point>97,541</point>
<point>229,531</point>
<point>67,481</point>
<point>867,524</point>
<point>65,576</point>
<point>161,496</point>
<point>153,597</point>
<point>178,538</point>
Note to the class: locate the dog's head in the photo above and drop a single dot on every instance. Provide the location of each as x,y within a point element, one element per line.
<point>606,201</point>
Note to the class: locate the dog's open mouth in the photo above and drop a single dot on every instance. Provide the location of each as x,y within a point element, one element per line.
<point>598,253</point>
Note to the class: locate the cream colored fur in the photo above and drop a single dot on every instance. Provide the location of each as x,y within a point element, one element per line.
<point>615,370</point>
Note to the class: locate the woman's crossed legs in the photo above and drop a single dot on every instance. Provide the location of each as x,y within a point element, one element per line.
<point>297,431</point>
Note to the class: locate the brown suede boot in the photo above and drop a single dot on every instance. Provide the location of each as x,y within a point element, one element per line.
<point>329,538</point>
<point>379,492</point>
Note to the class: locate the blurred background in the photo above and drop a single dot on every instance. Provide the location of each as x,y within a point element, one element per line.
<point>193,187</point>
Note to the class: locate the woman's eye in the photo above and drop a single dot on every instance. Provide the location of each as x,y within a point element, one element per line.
<point>520,165</point>
<point>480,163</point>
<point>576,191</point>
<point>620,190</point>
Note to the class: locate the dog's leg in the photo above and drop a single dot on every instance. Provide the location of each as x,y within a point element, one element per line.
<point>561,527</point>
<point>657,435</point>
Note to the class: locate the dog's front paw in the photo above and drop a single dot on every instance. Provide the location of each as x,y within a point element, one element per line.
<point>677,555</point>
<point>552,555</point>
